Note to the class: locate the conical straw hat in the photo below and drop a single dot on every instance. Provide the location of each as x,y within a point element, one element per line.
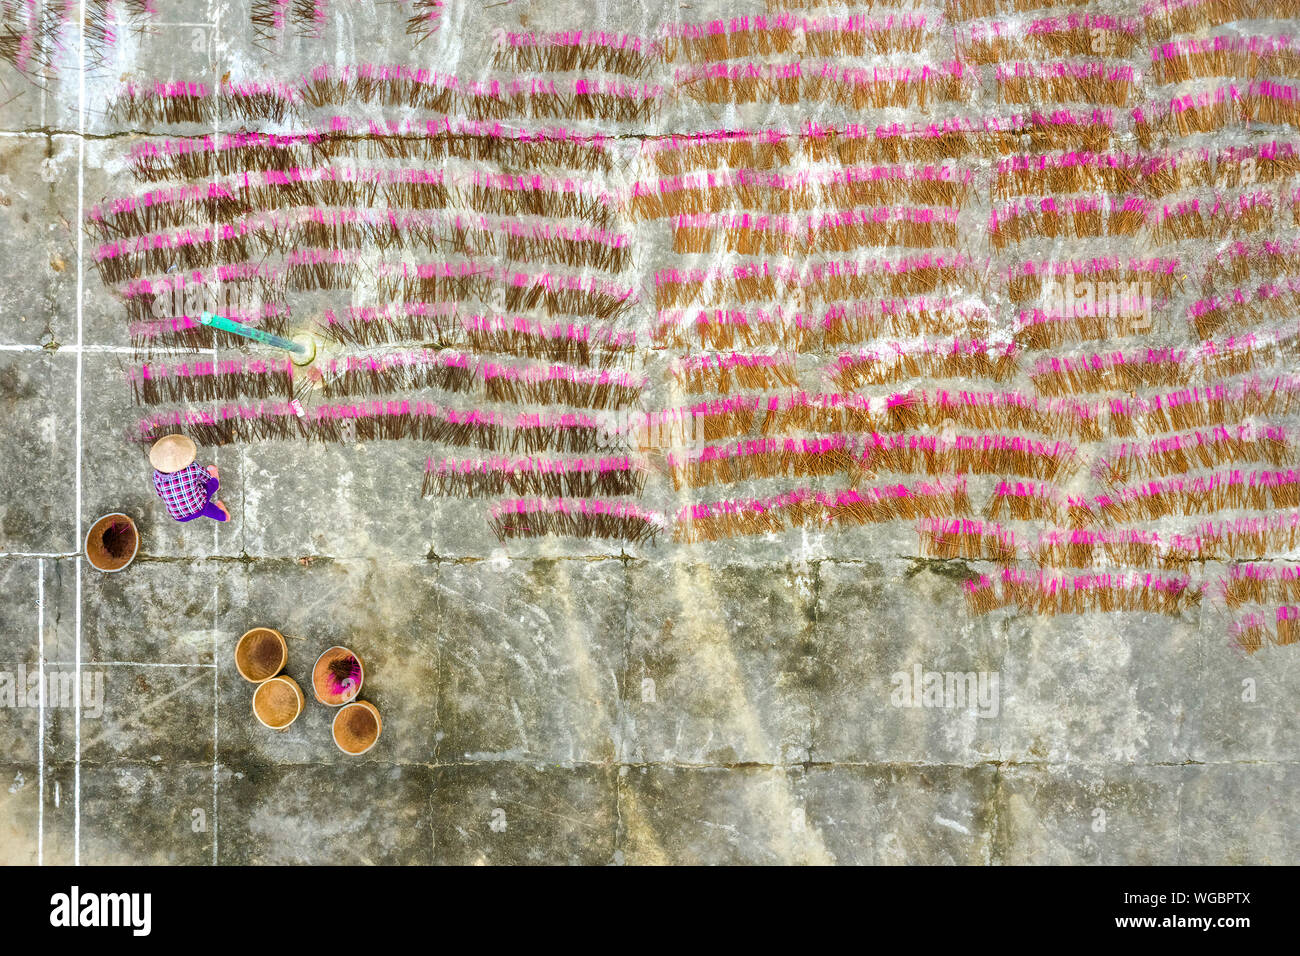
<point>172,453</point>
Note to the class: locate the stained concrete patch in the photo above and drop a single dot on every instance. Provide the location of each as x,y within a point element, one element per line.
<point>510,812</point>
<point>877,624</point>
<point>902,814</point>
<point>20,711</point>
<point>131,712</point>
<point>1239,814</point>
<point>1136,677</point>
<point>19,811</point>
<point>351,813</point>
<point>1101,814</point>
<point>717,665</point>
<point>38,499</point>
<point>531,658</point>
<point>163,612</point>
<point>146,813</point>
<point>37,243</point>
<point>313,508</point>
<point>702,816</point>
<point>19,624</point>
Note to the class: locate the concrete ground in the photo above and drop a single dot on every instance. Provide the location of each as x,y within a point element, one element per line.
<point>543,701</point>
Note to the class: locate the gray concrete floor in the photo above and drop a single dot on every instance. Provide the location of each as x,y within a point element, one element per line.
<point>543,702</point>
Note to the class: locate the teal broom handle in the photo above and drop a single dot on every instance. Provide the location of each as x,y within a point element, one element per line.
<point>248,332</point>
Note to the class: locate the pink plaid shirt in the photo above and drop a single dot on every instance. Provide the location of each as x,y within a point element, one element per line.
<point>184,492</point>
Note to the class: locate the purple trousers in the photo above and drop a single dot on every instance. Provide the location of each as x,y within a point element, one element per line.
<point>209,509</point>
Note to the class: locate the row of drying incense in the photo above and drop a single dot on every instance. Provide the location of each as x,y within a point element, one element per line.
<point>1257,101</point>
<point>400,372</point>
<point>1073,33</point>
<point>545,385</point>
<point>393,420</point>
<point>836,325</point>
<point>990,135</point>
<point>1183,410</point>
<point>1156,18</point>
<point>1046,593</point>
<point>1094,82</point>
<point>703,206</point>
<point>1066,316</point>
<point>1163,223</point>
<point>826,84</point>
<point>926,142</point>
<point>580,518</point>
<point>978,454</point>
<point>1157,500</point>
<point>760,458</point>
<point>207,156</point>
<point>826,291</point>
<point>589,297</point>
<point>1098,321</point>
<point>1148,174</point>
<point>1146,368</point>
<point>1225,56</point>
<point>772,192</point>
<point>891,362</point>
<point>825,233</point>
<point>573,342</point>
<point>1260,584</point>
<point>228,200</point>
<point>279,232</point>
<point>534,476</point>
<point>1053,84</point>
<point>799,507</point>
<point>976,539</point>
<point>538,98</point>
<point>684,193</point>
<point>1055,376</point>
<point>825,281</point>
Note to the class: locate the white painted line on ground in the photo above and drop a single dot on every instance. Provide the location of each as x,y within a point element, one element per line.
<point>199,666</point>
<point>40,730</point>
<point>215,725</point>
<point>104,349</point>
<point>81,272</point>
<point>216,135</point>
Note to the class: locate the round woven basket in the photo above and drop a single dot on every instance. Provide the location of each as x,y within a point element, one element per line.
<point>278,702</point>
<point>112,542</point>
<point>261,654</point>
<point>357,727</point>
<point>325,685</point>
